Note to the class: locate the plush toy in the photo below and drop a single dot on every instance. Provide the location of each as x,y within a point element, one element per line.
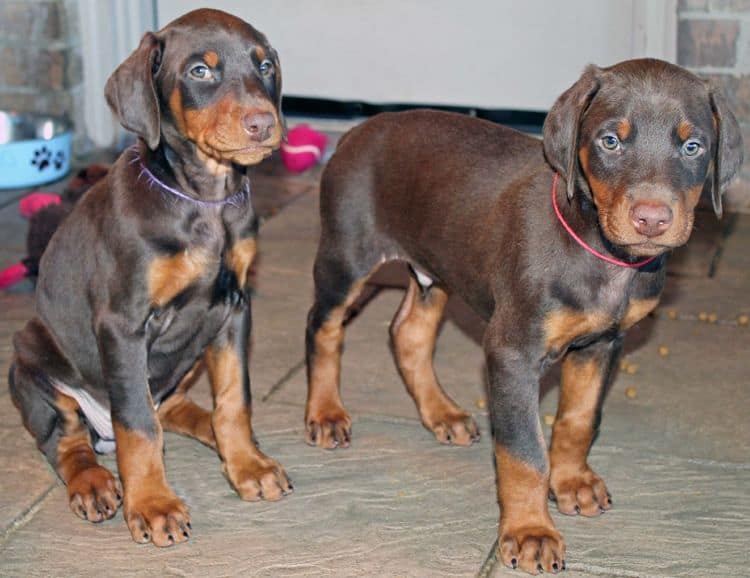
<point>45,212</point>
<point>304,147</point>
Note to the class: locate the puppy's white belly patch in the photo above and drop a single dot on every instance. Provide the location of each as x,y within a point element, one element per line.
<point>423,279</point>
<point>98,417</point>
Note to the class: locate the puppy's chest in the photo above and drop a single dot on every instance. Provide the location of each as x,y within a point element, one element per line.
<point>209,257</point>
<point>612,309</point>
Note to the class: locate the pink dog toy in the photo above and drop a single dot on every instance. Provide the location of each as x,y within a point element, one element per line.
<point>35,202</point>
<point>12,275</point>
<point>304,148</point>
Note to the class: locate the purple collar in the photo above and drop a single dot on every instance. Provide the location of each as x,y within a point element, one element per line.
<point>235,200</point>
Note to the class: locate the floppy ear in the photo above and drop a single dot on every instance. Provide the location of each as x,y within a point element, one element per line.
<point>277,90</point>
<point>131,94</point>
<point>728,155</point>
<point>562,124</point>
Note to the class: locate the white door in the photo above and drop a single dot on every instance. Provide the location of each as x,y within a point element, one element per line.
<point>496,54</point>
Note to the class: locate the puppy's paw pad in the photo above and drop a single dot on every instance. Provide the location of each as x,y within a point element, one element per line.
<point>163,520</point>
<point>330,429</point>
<point>581,493</point>
<point>455,428</point>
<point>533,550</point>
<point>94,494</point>
<point>261,479</point>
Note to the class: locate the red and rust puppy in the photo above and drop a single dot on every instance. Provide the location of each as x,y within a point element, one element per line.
<point>469,205</point>
<point>149,273</point>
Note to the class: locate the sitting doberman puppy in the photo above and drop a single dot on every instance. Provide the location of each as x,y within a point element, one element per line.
<point>149,274</point>
<point>558,270</point>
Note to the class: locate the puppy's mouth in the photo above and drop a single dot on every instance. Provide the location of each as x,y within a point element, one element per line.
<point>648,248</point>
<point>244,155</point>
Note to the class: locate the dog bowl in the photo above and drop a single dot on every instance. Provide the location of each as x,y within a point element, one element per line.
<point>34,149</point>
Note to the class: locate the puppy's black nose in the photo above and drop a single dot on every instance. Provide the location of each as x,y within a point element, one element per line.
<point>259,125</point>
<point>651,218</point>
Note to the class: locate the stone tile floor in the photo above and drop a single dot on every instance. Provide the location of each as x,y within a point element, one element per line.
<point>676,456</point>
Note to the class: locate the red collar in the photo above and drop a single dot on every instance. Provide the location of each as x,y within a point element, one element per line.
<point>583,243</point>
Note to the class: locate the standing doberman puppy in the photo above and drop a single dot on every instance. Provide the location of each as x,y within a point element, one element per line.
<point>471,206</point>
<point>149,273</point>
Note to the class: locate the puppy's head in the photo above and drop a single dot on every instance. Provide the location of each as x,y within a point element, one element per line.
<point>642,139</point>
<point>208,78</point>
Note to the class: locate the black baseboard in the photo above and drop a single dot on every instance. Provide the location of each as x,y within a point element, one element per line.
<point>527,121</point>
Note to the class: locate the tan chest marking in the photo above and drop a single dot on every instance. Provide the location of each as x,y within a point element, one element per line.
<point>563,326</point>
<point>240,257</point>
<point>168,276</point>
<point>637,310</point>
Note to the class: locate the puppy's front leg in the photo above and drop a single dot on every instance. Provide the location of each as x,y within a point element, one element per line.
<point>585,372</point>
<point>527,537</point>
<point>151,509</point>
<point>253,474</point>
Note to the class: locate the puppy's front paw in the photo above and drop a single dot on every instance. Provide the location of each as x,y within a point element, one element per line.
<point>329,427</point>
<point>459,429</point>
<point>161,518</point>
<point>449,423</point>
<point>94,494</point>
<point>579,492</point>
<point>533,549</point>
<point>259,478</point>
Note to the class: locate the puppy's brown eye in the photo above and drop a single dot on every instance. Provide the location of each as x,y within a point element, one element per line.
<point>266,68</point>
<point>610,142</point>
<point>691,148</point>
<point>201,72</point>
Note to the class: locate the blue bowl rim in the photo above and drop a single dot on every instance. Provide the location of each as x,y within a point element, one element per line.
<point>18,127</point>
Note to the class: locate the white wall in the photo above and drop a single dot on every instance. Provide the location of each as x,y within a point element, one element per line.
<point>110,31</point>
<point>505,54</point>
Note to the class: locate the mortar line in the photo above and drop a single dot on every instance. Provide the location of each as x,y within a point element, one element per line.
<point>489,563</point>
<point>291,372</point>
<point>25,517</point>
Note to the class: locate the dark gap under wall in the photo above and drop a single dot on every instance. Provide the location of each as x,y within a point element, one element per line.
<point>526,121</point>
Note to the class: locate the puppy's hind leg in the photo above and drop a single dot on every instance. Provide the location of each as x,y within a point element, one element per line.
<point>338,283</point>
<point>179,414</point>
<point>53,419</point>
<point>413,333</point>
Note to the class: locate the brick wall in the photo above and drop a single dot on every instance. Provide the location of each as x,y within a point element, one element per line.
<point>40,59</point>
<point>713,40</point>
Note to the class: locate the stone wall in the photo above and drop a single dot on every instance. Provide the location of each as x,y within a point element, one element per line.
<point>40,60</point>
<point>713,40</point>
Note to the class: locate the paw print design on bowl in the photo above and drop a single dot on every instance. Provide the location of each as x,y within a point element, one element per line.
<point>59,160</point>
<point>42,158</point>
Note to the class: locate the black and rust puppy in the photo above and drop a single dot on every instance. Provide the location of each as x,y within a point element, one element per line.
<point>149,273</point>
<point>473,208</point>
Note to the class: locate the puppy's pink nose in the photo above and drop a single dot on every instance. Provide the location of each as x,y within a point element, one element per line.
<point>259,125</point>
<point>651,218</point>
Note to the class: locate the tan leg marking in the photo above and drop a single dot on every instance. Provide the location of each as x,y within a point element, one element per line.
<point>327,423</point>
<point>93,492</point>
<point>527,536</point>
<point>240,257</point>
<point>254,475</point>
<point>575,486</point>
<point>151,509</point>
<point>414,331</point>
<point>181,415</point>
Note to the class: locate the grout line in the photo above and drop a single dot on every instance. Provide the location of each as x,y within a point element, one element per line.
<point>489,562</point>
<point>283,380</point>
<point>15,197</point>
<point>26,516</point>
